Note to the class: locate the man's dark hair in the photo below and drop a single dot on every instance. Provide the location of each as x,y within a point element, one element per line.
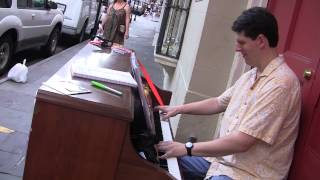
<point>255,21</point>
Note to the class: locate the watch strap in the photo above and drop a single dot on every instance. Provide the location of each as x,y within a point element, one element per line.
<point>189,153</point>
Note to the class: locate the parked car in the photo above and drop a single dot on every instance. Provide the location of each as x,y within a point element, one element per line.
<point>26,24</point>
<point>79,17</point>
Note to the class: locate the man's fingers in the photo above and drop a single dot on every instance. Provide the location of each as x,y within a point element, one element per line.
<point>165,156</point>
<point>165,118</point>
<point>164,145</point>
<point>157,108</point>
<point>161,108</point>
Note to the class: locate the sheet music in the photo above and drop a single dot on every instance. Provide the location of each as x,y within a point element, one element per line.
<point>66,87</point>
<point>103,74</point>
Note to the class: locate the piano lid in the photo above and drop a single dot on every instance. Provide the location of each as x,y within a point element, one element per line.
<point>99,101</point>
<point>146,105</point>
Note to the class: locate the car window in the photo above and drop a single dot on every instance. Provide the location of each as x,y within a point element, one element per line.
<point>22,3</point>
<point>5,3</point>
<point>37,3</point>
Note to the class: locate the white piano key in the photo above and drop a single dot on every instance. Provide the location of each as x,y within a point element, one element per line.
<point>172,162</point>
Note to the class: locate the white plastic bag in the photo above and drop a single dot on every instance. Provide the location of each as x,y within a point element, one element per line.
<point>18,72</point>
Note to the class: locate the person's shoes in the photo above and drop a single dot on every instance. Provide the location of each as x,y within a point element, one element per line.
<point>96,42</point>
<point>101,42</point>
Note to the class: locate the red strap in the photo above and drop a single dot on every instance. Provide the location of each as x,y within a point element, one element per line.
<point>150,83</point>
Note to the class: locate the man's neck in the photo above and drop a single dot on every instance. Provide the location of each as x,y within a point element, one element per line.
<point>266,59</point>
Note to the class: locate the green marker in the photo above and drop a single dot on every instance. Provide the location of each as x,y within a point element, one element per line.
<point>104,87</point>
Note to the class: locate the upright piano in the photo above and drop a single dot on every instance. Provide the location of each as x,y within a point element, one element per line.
<point>99,135</point>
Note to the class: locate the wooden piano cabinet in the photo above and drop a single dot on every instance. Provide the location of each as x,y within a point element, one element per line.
<point>87,136</point>
<point>70,144</point>
<point>134,167</point>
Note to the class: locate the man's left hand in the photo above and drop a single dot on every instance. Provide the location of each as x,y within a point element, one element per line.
<point>171,149</point>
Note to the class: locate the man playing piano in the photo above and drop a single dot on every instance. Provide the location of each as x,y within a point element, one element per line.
<point>262,110</point>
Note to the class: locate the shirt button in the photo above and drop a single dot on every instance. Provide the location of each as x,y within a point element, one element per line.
<point>245,103</point>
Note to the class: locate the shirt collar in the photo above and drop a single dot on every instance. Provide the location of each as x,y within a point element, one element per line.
<point>273,65</point>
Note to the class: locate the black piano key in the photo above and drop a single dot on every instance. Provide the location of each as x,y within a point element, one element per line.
<point>163,162</point>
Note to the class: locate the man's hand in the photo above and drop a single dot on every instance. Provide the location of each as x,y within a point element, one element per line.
<point>171,149</point>
<point>126,35</point>
<point>168,111</point>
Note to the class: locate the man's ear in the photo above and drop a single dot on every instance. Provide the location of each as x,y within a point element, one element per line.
<point>262,41</point>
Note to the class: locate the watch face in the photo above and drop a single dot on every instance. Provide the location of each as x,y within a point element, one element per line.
<point>189,145</point>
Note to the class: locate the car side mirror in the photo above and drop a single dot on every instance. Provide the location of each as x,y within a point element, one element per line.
<point>52,5</point>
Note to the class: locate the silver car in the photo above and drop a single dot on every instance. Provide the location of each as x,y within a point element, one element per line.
<point>26,24</point>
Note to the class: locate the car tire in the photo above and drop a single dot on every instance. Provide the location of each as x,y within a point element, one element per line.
<point>82,35</point>
<point>51,46</point>
<point>6,52</point>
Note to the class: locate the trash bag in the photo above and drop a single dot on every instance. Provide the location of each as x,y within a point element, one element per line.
<point>18,72</point>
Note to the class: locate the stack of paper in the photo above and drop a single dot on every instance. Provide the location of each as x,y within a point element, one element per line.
<point>66,87</point>
<point>103,74</point>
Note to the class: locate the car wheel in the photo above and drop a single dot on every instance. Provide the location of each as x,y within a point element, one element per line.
<point>82,35</point>
<point>6,51</point>
<point>51,46</point>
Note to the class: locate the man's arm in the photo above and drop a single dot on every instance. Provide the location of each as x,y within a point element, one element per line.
<point>234,143</point>
<point>204,107</point>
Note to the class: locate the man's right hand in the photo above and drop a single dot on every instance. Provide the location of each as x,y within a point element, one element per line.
<point>168,111</point>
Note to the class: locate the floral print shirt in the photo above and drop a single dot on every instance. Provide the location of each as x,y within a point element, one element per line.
<point>267,107</point>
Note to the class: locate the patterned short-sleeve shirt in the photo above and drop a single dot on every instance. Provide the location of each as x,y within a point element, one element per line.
<point>266,107</point>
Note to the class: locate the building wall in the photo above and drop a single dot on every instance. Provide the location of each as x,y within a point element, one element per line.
<point>178,81</point>
<point>212,65</point>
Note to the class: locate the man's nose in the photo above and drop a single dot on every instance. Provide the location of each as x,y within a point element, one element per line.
<point>238,49</point>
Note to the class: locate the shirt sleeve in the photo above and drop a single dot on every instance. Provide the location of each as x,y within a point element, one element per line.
<point>266,115</point>
<point>225,97</point>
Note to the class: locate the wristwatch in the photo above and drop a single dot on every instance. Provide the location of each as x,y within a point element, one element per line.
<point>189,146</point>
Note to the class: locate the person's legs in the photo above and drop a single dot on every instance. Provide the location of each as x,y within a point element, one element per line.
<point>193,168</point>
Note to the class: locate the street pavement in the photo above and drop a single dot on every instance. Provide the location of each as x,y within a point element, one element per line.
<point>17,100</point>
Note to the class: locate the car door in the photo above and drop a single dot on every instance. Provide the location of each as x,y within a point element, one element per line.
<point>36,22</point>
<point>25,33</point>
<point>42,19</point>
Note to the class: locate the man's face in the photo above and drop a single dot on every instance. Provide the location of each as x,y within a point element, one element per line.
<point>248,48</point>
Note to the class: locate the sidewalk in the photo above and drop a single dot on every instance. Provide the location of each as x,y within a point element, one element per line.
<point>17,100</point>
<point>141,37</point>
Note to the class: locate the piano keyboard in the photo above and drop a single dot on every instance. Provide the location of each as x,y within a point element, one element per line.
<point>173,166</point>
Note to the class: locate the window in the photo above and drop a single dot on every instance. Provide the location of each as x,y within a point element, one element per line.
<point>173,27</point>
<point>5,3</point>
<point>22,3</point>
<point>37,3</point>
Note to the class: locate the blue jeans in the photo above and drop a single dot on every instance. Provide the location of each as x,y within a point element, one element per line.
<point>194,168</point>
